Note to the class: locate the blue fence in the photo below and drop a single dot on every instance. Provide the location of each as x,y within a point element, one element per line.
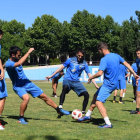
<point>39,73</point>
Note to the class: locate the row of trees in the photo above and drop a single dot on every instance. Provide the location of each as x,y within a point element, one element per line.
<point>51,38</point>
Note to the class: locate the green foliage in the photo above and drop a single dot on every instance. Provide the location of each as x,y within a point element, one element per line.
<point>54,61</point>
<point>50,37</point>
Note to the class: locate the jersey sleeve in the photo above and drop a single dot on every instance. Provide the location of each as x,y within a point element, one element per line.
<point>102,65</point>
<point>9,64</point>
<point>86,68</point>
<point>67,62</point>
<point>121,59</point>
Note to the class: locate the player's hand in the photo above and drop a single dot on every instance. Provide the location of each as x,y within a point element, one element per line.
<point>89,80</point>
<point>48,77</point>
<point>1,77</point>
<point>129,81</point>
<point>30,50</point>
<point>97,87</point>
<point>137,82</point>
<point>136,77</point>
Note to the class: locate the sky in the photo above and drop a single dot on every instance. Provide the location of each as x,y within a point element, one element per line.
<point>26,11</point>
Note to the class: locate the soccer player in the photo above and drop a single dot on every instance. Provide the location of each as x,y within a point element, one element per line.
<point>55,79</point>
<point>109,65</point>
<point>137,83</point>
<point>121,83</point>
<point>3,90</point>
<point>75,66</point>
<point>22,85</point>
<point>134,67</point>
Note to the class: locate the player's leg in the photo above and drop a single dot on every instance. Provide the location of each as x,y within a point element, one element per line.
<point>91,108</point>
<point>85,101</point>
<point>54,86</point>
<point>134,88</point>
<point>137,100</point>
<point>66,88</point>
<point>121,95</point>
<point>135,93</point>
<point>115,94</point>
<point>2,103</point>
<point>81,91</point>
<point>3,95</point>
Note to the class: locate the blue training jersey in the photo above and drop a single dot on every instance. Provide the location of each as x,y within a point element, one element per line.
<point>138,64</point>
<point>74,69</point>
<point>134,67</point>
<point>56,76</point>
<point>16,74</point>
<point>122,72</point>
<point>110,64</point>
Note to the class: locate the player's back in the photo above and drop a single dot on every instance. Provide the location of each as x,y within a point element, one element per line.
<point>111,73</point>
<point>16,74</point>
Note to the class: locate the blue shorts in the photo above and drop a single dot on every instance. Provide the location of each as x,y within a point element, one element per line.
<point>134,81</point>
<point>103,93</point>
<point>3,89</point>
<point>30,88</point>
<point>138,89</point>
<point>76,86</point>
<point>121,84</point>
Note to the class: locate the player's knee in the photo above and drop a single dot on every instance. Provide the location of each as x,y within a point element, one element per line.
<point>85,94</point>
<point>65,89</point>
<point>26,98</point>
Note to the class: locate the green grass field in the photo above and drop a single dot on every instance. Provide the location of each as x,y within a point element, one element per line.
<point>45,124</point>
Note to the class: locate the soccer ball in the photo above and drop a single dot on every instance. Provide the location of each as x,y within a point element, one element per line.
<point>76,114</point>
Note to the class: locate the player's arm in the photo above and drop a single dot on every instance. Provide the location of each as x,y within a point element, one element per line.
<point>58,70</point>
<point>2,71</point>
<point>98,74</point>
<point>131,70</point>
<point>129,77</point>
<point>93,81</point>
<point>22,60</point>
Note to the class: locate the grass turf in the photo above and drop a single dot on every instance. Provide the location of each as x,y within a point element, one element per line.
<point>45,124</point>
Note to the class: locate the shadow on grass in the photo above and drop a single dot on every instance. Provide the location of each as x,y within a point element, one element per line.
<point>3,122</point>
<point>60,115</point>
<point>118,101</point>
<point>26,119</point>
<point>126,110</point>
<point>45,138</point>
<point>94,121</point>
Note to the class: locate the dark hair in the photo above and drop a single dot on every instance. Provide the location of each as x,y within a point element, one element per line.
<point>62,71</point>
<point>13,50</point>
<point>138,49</point>
<point>81,50</point>
<point>1,32</point>
<point>102,45</point>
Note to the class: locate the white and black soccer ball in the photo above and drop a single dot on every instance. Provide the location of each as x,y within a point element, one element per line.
<point>76,114</point>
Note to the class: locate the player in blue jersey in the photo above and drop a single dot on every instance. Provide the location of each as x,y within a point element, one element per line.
<point>137,83</point>
<point>55,79</point>
<point>75,66</point>
<point>109,65</point>
<point>3,90</point>
<point>121,83</point>
<point>22,85</point>
<point>134,67</point>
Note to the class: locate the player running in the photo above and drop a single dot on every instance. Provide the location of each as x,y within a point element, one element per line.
<point>134,67</point>
<point>109,65</point>
<point>75,66</point>
<point>55,79</point>
<point>137,83</point>
<point>3,89</point>
<point>22,85</point>
<point>123,73</point>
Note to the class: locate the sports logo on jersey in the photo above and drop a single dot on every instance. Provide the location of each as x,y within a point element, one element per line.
<point>73,70</point>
